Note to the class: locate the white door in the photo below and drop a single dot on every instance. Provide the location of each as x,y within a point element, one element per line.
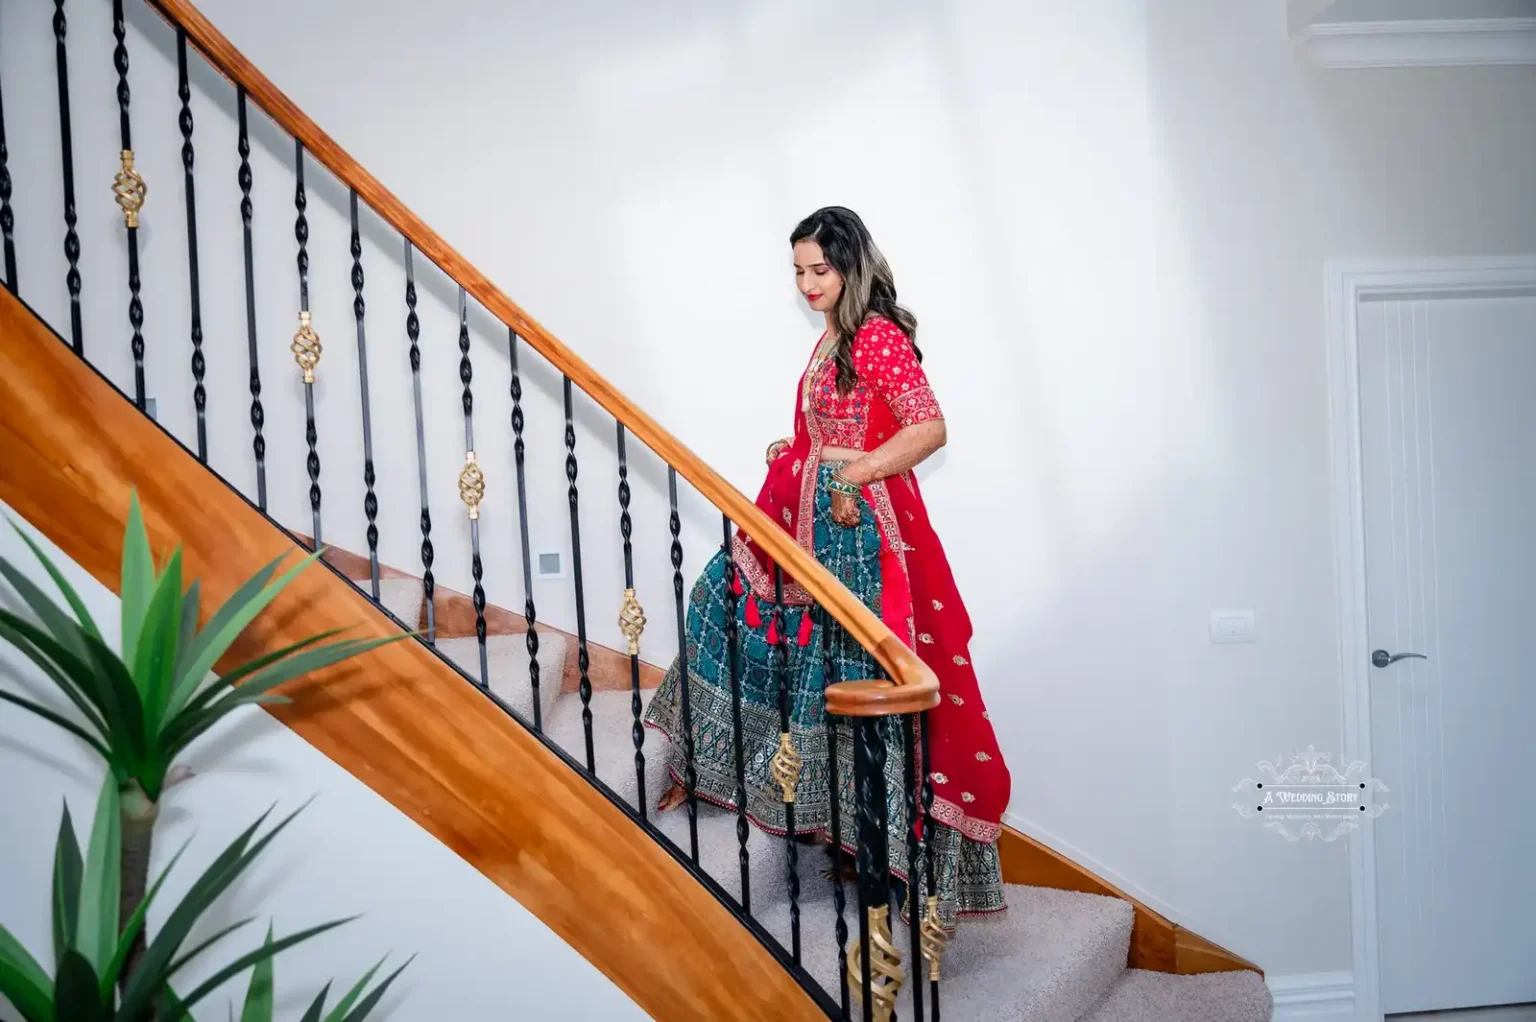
<point>1448,455</point>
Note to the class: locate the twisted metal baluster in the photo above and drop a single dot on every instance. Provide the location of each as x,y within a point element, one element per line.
<point>631,623</point>
<point>690,771</point>
<point>130,190</point>
<point>66,143</point>
<point>472,485</point>
<point>733,647</point>
<point>582,662</point>
<point>7,218</point>
<point>835,791</point>
<point>786,762</point>
<point>370,499</point>
<point>258,417</point>
<point>914,861</point>
<point>199,366</point>
<point>879,975</point>
<point>306,344</point>
<point>934,930</point>
<point>413,330</point>
<point>531,635</point>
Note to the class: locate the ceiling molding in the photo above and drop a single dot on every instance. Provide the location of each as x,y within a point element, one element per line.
<point>1422,42</point>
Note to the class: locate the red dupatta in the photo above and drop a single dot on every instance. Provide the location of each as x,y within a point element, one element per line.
<point>919,601</point>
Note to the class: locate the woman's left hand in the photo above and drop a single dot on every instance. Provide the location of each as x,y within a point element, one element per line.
<point>845,509</point>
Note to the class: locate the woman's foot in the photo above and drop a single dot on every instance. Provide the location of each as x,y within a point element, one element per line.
<point>849,871</point>
<point>673,797</point>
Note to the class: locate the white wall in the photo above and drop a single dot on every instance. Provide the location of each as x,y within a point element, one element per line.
<point>350,852</point>
<point>1111,220</point>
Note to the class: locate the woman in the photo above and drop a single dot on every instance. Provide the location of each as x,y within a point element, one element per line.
<point>843,487</point>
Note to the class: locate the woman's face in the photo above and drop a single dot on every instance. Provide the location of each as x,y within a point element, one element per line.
<point>818,281</point>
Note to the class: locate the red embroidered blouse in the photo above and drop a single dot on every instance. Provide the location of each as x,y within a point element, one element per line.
<point>888,373</point>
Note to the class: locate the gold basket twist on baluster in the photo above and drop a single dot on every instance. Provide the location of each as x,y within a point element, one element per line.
<point>129,189</point>
<point>784,769</point>
<point>471,485</point>
<point>306,347</point>
<point>631,621</point>
<point>934,937</point>
<point>885,975</point>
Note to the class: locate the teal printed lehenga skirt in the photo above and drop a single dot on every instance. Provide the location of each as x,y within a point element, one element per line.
<point>968,872</point>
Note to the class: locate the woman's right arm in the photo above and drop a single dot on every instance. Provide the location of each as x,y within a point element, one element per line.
<point>777,448</point>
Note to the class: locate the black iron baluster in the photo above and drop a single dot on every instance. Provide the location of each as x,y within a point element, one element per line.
<point>306,343</point>
<point>914,861</point>
<point>258,417</point>
<point>472,485</point>
<point>199,366</point>
<point>690,771</point>
<point>583,663</point>
<point>631,623</point>
<point>370,499</point>
<point>530,615</point>
<point>834,785</point>
<point>7,218</point>
<point>413,330</point>
<point>733,648</point>
<point>128,186</point>
<point>66,142</point>
<point>786,762</point>
<point>869,756</point>
<point>932,907</point>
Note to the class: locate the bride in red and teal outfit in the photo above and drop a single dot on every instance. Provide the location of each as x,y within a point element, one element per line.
<point>843,486</point>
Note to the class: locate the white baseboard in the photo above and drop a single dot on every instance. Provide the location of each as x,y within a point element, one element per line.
<point>1314,996</point>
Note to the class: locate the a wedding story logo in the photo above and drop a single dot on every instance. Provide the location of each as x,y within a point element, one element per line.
<point>1310,798</point>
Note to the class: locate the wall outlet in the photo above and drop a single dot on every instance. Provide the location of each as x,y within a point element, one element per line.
<point>1233,626</point>
<point>551,565</point>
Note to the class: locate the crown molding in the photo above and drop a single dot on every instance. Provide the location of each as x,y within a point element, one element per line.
<point>1452,42</point>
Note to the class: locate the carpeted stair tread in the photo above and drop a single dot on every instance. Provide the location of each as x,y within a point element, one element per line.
<point>1142,996</point>
<point>1053,956</point>
<point>507,664</point>
<point>400,596</point>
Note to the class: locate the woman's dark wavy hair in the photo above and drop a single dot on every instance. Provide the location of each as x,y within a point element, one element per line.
<point>868,286</point>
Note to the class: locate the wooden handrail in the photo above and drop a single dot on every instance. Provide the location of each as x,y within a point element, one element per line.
<point>913,686</point>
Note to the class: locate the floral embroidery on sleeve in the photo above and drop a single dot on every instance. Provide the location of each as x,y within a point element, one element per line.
<point>884,357</point>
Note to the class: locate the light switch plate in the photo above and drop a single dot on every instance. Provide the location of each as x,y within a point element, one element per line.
<point>1230,626</point>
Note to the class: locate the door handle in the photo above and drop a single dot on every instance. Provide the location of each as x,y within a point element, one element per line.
<point>1381,658</point>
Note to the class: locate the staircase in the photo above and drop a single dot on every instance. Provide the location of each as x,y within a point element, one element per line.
<point>461,731</point>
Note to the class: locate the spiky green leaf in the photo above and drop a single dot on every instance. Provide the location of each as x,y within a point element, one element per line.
<point>208,694</point>
<point>73,676</point>
<point>189,725</point>
<point>81,613</point>
<point>262,953</point>
<point>67,870</point>
<point>64,628</point>
<point>258,996</point>
<point>138,579</point>
<point>23,982</point>
<point>317,1006</point>
<point>226,625</point>
<point>340,1011</point>
<point>77,991</point>
<point>191,603</point>
<point>156,660</point>
<point>59,720</point>
<point>101,882</point>
<point>240,924</point>
<point>367,1004</point>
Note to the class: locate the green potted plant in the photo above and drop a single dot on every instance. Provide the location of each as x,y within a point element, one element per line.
<point>93,979</point>
<point>142,706</point>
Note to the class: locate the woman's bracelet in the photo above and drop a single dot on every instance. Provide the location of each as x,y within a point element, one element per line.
<point>837,484</point>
